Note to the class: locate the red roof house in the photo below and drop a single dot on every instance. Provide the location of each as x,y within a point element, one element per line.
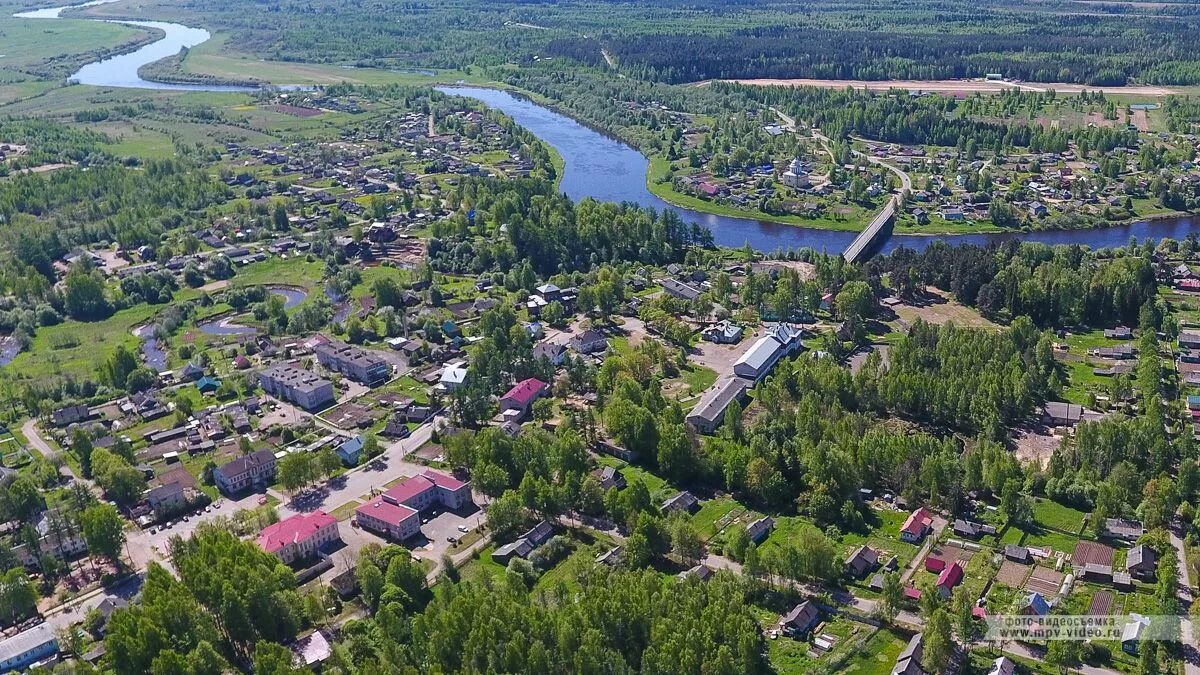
<point>949,578</point>
<point>917,525</point>
<point>934,564</point>
<point>522,395</point>
<point>299,536</point>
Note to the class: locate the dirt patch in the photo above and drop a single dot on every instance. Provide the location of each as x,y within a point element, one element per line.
<point>1034,447</point>
<point>1012,574</point>
<point>1140,120</point>
<point>1102,603</point>
<point>937,307</point>
<point>295,110</point>
<point>1045,581</point>
<point>1092,553</point>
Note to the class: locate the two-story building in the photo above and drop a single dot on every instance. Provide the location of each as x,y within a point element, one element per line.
<point>299,537</point>
<point>397,512</point>
<point>256,469</point>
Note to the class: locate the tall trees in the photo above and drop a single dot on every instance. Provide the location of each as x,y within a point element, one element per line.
<point>103,530</point>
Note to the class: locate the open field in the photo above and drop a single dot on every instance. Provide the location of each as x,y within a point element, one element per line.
<point>963,86</point>
<point>216,58</point>
<point>57,45</point>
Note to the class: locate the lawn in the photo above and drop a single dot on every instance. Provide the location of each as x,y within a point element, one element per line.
<point>77,348</point>
<point>1055,516</point>
<point>878,655</point>
<point>715,514</point>
<point>699,378</point>
<point>32,43</point>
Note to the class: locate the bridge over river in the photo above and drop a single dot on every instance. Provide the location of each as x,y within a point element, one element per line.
<point>867,241</point>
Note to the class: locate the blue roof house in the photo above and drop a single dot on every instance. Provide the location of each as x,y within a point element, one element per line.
<point>351,450</point>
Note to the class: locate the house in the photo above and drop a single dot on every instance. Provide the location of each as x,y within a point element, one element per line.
<point>453,376</point>
<point>1118,333</point>
<point>971,529</point>
<point>522,396</point>
<point>680,290</point>
<point>1120,528</point>
<point>311,650</point>
<point>685,502</point>
<point>611,557</point>
<point>700,572</point>
<point>350,451</point>
<point>759,529</point>
<point>589,342</point>
<point>299,537</point>
<point>1141,561</point>
<point>1062,414</point>
<point>525,544</point>
<point>166,498</point>
<point>1003,666</point>
<point>1017,554</point>
<point>953,213</point>
<point>191,372</point>
<point>948,579</point>
<point>934,564</point>
<point>256,469</point>
<point>917,525</point>
<point>723,333</point>
<point>862,561</point>
<point>296,385</point>
<point>28,647</point>
<point>798,622</point>
<point>356,363</point>
<point>609,478</point>
<point>1189,340</point>
<point>909,661</point>
<point>709,413</point>
<point>1038,210</point>
<point>208,385</point>
<point>552,352</point>
<point>1132,632</point>
<point>70,415</point>
<point>1034,605</point>
<point>397,512</point>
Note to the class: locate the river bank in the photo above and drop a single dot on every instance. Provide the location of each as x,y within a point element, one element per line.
<point>605,168</point>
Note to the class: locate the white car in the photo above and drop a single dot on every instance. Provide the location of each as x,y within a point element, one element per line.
<point>463,528</point>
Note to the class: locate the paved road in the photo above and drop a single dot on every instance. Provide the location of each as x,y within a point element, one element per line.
<point>374,475</point>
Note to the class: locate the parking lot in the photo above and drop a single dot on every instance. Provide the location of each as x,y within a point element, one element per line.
<point>437,527</point>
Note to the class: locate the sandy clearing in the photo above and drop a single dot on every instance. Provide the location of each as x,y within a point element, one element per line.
<point>954,86</point>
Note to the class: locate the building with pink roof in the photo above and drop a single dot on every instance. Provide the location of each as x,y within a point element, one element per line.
<point>522,395</point>
<point>397,512</point>
<point>299,536</point>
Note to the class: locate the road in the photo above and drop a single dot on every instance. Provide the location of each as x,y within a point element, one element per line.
<point>1191,656</point>
<point>354,484</point>
<point>34,436</point>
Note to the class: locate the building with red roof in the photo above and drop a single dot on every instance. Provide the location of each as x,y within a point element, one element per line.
<point>397,512</point>
<point>299,536</point>
<point>949,578</point>
<point>917,525</point>
<point>522,395</point>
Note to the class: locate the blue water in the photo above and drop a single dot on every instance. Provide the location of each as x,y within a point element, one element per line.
<point>291,296</point>
<point>607,169</point>
<point>152,350</point>
<point>122,70</point>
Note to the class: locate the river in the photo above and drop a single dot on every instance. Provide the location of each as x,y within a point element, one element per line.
<point>122,70</point>
<point>607,169</point>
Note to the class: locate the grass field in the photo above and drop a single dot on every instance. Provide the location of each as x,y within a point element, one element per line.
<point>62,45</point>
<point>878,655</point>
<point>216,57</point>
